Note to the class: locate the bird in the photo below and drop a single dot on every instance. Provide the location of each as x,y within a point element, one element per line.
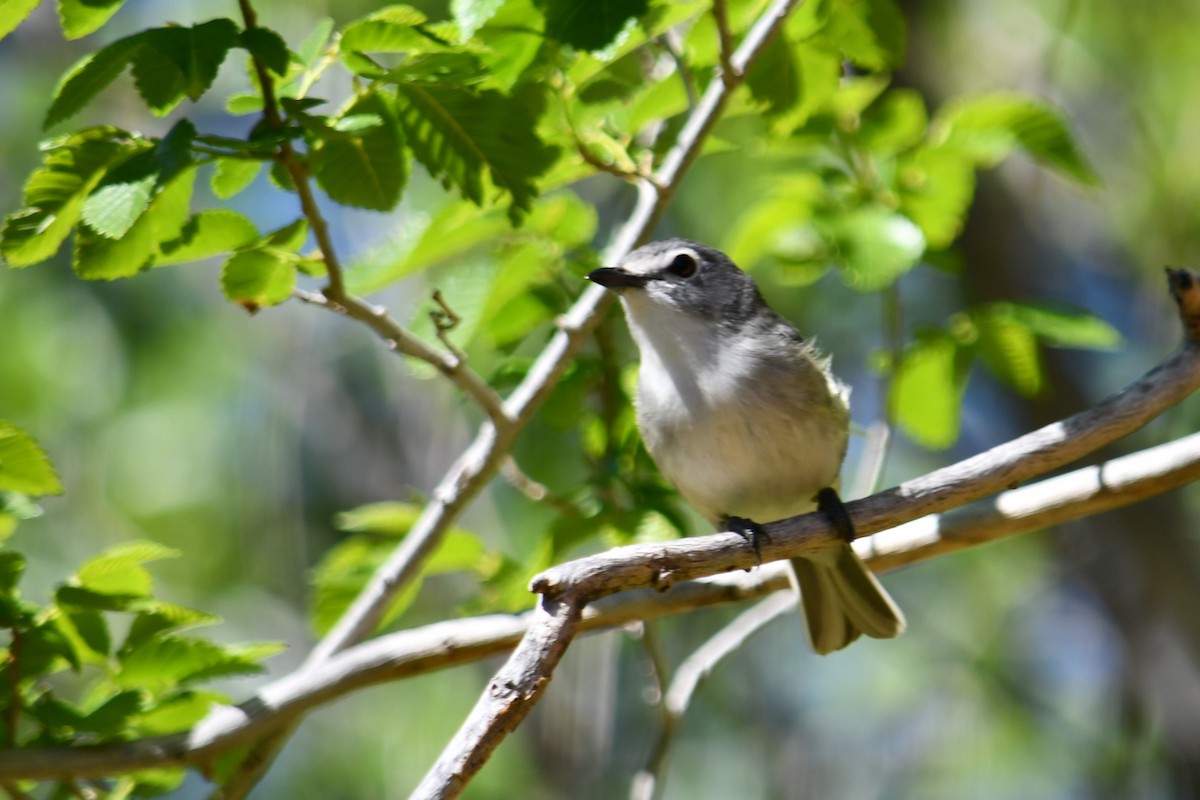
<point>746,419</point>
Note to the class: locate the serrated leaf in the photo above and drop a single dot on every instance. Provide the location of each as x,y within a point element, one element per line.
<point>990,126</point>
<point>936,188</point>
<point>24,465</point>
<point>100,258</point>
<point>926,392</point>
<point>241,104</point>
<point>1065,327</point>
<point>119,569</point>
<point>589,26</point>
<point>156,616</point>
<point>876,246</point>
<point>13,13</point>
<point>1009,349</point>
<point>896,121</point>
<point>174,62</point>
<point>44,650</point>
<point>178,711</point>
<point>169,661</point>
<point>460,136</point>
<point>209,233</point>
<point>89,625</point>
<point>126,190</point>
<point>78,597</point>
<point>268,47</point>
<point>871,33</point>
<point>112,716</point>
<point>775,80</point>
<point>89,76</point>
<point>232,175</point>
<point>394,29</point>
<point>363,167</point>
<point>256,278</point>
<point>12,567</point>
<point>81,17</point>
<point>471,15</point>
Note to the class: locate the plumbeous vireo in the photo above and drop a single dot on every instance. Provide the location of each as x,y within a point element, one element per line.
<point>745,418</point>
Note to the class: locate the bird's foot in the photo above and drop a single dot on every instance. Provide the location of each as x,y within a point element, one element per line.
<point>751,531</point>
<point>831,504</point>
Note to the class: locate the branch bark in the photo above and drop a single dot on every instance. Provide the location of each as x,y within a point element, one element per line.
<point>1118,482</point>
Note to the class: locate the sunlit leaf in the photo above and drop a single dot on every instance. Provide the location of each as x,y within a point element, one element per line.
<point>462,136</point>
<point>256,278</point>
<point>174,62</point>
<point>1066,327</point>
<point>1010,349</point>
<point>875,246</point>
<point>936,188</point>
<point>990,126</point>
<point>13,13</point>
<point>81,17</point>
<point>232,175</point>
<point>89,76</point>
<point>98,257</point>
<point>363,166</point>
<point>119,569</point>
<point>871,33</point>
<point>207,234</point>
<point>24,465</point>
<point>927,390</point>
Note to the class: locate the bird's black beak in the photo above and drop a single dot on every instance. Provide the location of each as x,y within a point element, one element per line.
<point>616,278</point>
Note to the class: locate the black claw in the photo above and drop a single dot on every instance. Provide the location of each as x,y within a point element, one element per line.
<point>829,502</point>
<point>749,530</point>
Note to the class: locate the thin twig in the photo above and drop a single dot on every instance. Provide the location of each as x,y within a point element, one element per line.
<point>674,47</point>
<point>730,74</point>
<point>420,651</point>
<point>452,366</point>
<point>535,491</point>
<point>444,321</point>
<point>694,670</point>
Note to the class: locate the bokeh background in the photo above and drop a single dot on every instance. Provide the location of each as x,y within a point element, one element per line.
<point>1060,664</point>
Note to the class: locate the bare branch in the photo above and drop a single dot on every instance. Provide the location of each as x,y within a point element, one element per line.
<point>1006,465</point>
<point>1118,482</point>
<point>1185,288</point>
<point>483,458</point>
<point>507,699</point>
<point>693,672</point>
<point>452,365</point>
<point>729,74</point>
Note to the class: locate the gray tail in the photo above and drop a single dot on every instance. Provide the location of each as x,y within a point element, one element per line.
<point>843,600</point>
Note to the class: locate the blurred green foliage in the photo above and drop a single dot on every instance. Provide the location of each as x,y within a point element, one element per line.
<point>495,132</point>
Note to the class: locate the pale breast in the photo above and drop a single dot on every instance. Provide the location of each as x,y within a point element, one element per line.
<point>756,443</point>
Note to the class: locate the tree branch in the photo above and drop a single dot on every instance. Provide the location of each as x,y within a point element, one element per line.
<point>659,565</point>
<point>1118,482</point>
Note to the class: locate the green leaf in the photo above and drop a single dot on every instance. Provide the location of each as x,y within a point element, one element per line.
<point>13,13</point>
<point>207,234</point>
<point>89,76</point>
<point>876,246</point>
<point>89,625</point>
<point>394,29</point>
<point>387,518</point>
<point>1065,327</point>
<point>268,47</point>
<point>871,33</point>
<point>461,135</point>
<point>775,80</point>
<point>126,190</point>
<point>169,661</point>
<point>1009,349</point>
<point>232,175</point>
<point>81,17</point>
<point>589,26</point>
<point>112,716</point>
<point>936,187</point>
<point>927,391</point>
<point>12,567</point>
<point>314,44</point>
<point>896,121</point>
<point>471,15</point>
<point>24,466</point>
<point>366,167</point>
<point>989,127</point>
<point>176,61</point>
<point>256,278</point>
<point>177,712</point>
<point>100,258</point>
<point>119,570</point>
<point>156,616</point>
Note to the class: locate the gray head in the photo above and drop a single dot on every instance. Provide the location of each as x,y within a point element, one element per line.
<point>686,277</point>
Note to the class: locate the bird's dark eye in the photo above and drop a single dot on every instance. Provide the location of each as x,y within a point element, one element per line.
<point>683,265</point>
